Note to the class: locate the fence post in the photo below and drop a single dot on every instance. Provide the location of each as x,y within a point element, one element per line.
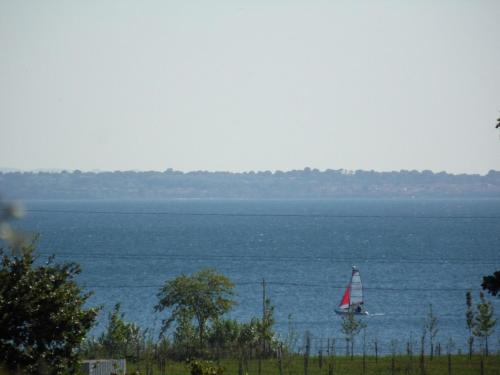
<point>280,356</point>
<point>246,357</point>
<point>333,353</point>
<point>262,340</point>
<point>306,354</point>
<point>376,350</point>
<point>482,366</point>
<point>422,353</point>
<point>164,366</point>
<point>449,363</point>
<point>364,350</point>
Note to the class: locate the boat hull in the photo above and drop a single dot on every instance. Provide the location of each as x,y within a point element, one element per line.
<point>346,312</point>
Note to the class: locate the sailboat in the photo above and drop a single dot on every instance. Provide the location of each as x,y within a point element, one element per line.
<point>352,300</point>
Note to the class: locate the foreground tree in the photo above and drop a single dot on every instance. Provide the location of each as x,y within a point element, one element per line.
<point>203,297</point>
<point>484,324</point>
<point>491,283</point>
<point>223,336</point>
<point>42,316</point>
<point>185,338</point>
<point>469,319</point>
<point>120,337</point>
<point>266,329</point>
<point>351,327</point>
<point>431,325</point>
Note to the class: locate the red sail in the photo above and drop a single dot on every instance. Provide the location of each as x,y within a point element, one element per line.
<point>346,297</point>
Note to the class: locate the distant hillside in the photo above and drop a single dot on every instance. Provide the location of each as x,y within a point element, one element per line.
<point>299,184</point>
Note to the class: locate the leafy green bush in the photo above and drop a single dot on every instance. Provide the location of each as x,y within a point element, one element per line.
<point>43,318</point>
<point>205,368</point>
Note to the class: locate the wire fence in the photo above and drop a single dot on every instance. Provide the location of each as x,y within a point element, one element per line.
<point>317,356</point>
<point>283,363</point>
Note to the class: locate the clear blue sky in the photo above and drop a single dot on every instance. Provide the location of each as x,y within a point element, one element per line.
<point>250,85</point>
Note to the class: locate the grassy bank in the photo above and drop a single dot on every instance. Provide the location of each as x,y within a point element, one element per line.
<point>454,364</point>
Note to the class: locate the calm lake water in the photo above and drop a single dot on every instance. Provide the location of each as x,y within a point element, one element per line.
<point>411,253</point>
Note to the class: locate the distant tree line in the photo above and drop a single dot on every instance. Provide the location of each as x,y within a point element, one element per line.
<point>299,184</point>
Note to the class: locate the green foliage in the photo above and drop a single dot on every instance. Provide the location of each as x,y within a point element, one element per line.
<point>42,316</point>
<point>265,329</point>
<point>205,368</point>
<point>202,297</point>
<point>291,337</point>
<point>491,283</point>
<point>224,335</point>
<point>484,323</point>
<point>125,340</point>
<point>185,338</point>
<point>237,339</point>
<point>351,327</point>
<point>430,326</point>
<point>403,364</point>
<point>469,319</point>
<point>120,337</point>
<point>249,335</point>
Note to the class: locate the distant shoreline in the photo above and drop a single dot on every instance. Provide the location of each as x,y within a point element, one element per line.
<point>307,184</point>
<point>8,170</point>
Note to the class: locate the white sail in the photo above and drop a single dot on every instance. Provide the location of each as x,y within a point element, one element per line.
<point>356,288</point>
<point>352,300</point>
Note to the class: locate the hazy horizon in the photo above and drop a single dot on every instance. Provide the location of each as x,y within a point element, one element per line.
<point>59,170</point>
<point>241,86</point>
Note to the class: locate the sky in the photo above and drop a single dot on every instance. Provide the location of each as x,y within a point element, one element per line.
<point>250,85</point>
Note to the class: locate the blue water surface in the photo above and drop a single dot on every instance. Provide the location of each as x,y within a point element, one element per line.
<point>411,253</point>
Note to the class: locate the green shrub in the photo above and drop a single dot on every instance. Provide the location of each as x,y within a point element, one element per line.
<point>205,368</point>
